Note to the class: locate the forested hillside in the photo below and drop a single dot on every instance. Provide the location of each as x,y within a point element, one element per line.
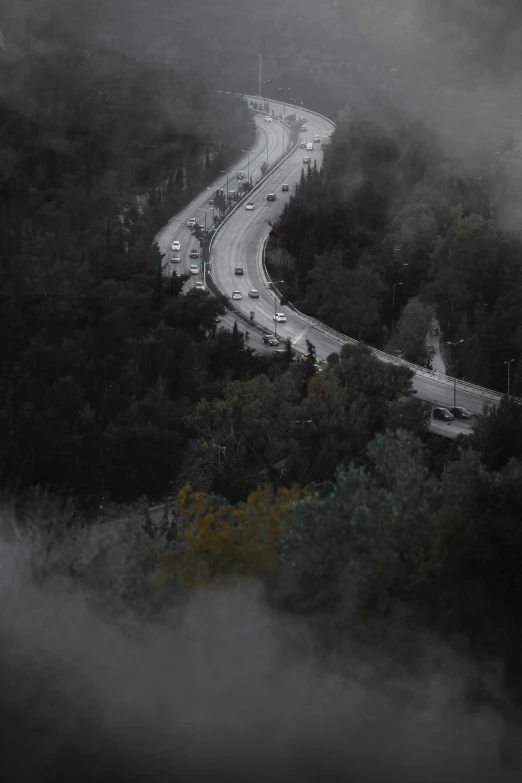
<point>101,355</point>
<point>390,228</point>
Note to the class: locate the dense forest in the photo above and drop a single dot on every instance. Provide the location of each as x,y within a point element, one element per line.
<point>391,232</point>
<point>102,357</point>
<point>380,551</point>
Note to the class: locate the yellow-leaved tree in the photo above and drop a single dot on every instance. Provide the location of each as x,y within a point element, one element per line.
<point>222,543</point>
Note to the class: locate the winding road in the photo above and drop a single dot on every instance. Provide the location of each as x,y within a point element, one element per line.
<point>241,240</point>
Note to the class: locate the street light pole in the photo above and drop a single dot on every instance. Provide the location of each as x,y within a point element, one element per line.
<point>274,283</point>
<point>259,91</point>
<point>508,369</point>
<point>283,90</point>
<point>455,377</point>
<point>248,164</point>
<point>393,304</point>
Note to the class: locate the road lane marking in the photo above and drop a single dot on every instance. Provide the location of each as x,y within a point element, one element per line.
<point>299,336</point>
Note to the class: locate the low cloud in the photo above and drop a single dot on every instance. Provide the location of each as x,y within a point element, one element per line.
<point>220,683</point>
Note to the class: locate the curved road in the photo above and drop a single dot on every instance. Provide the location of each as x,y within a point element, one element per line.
<point>240,242</point>
<point>176,229</point>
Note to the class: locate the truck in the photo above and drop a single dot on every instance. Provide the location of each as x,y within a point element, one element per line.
<point>325,141</point>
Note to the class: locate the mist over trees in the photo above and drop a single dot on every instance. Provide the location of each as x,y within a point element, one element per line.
<point>320,548</point>
<point>388,209</point>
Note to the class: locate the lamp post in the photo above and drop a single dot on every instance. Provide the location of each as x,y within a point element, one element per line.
<point>509,369</point>
<point>284,89</point>
<point>393,304</point>
<point>226,197</point>
<point>274,283</point>
<point>455,377</point>
<point>248,164</point>
<point>393,296</point>
<point>259,90</point>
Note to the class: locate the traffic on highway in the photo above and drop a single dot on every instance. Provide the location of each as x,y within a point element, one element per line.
<point>240,243</point>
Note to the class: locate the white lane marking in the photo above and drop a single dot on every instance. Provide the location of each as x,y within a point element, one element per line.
<point>299,336</point>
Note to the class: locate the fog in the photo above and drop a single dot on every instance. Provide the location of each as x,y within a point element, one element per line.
<point>219,683</point>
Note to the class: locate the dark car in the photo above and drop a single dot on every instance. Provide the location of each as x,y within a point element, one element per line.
<point>194,254</point>
<point>459,412</point>
<point>435,331</point>
<point>270,339</point>
<point>238,270</point>
<point>271,197</point>
<point>443,414</point>
<point>285,188</point>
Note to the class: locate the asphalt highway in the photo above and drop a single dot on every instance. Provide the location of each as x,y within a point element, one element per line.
<point>240,242</point>
<point>270,134</point>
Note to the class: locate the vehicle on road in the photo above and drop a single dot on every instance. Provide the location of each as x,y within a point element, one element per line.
<point>285,188</point>
<point>199,285</point>
<point>459,412</point>
<point>270,339</point>
<point>211,201</point>
<point>194,253</point>
<point>271,197</point>
<point>325,142</point>
<point>253,293</point>
<point>175,245</point>
<point>268,119</point>
<point>236,294</point>
<point>317,137</point>
<point>250,206</point>
<point>191,223</point>
<point>309,145</point>
<point>194,269</point>
<point>302,146</point>
<point>279,318</point>
<point>240,175</point>
<point>435,331</point>
<point>176,258</point>
<point>307,159</point>
<point>238,270</point>
<point>303,119</point>
<point>443,414</point>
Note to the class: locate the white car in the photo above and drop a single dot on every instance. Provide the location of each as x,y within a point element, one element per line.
<point>268,119</point>
<point>176,258</point>
<point>194,269</point>
<point>175,245</point>
<point>253,293</point>
<point>309,145</point>
<point>250,205</point>
<point>280,318</point>
<point>191,223</point>
<point>236,294</point>
<point>199,285</point>
<point>317,138</point>
<point>194,253</point>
